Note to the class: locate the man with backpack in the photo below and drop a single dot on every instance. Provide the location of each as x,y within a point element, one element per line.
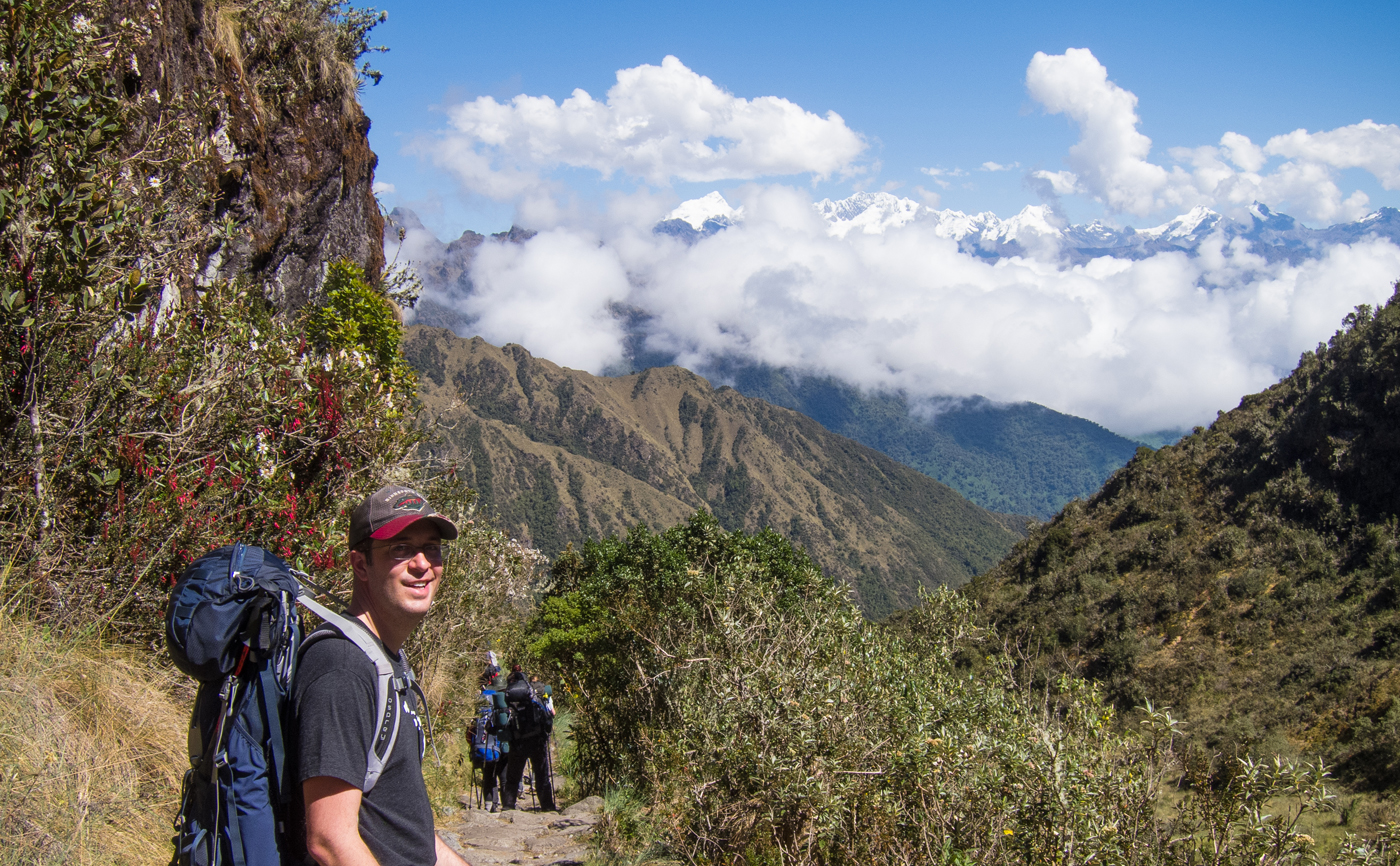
<point>487,736</point>
<point>353,814</point>
<point>532,722</point>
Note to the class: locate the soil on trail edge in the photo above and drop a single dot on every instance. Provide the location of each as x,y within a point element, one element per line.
<point>522,837</point>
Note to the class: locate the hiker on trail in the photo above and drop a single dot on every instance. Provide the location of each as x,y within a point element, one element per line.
<point>532,723</point>
<point>395,542</point>
<point>486,742</point>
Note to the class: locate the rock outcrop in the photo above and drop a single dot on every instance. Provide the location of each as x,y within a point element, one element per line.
<point>291,167</point>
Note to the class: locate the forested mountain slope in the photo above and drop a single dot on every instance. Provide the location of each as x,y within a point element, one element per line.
<point>1248,576</point>
<point>560,455</point>
<point>1020,458</point>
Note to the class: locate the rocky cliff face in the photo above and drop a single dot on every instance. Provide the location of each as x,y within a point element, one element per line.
<point>290,170</point>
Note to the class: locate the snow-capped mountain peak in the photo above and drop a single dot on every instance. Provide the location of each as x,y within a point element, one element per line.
<point>1190,226</point>
<point>699,211</point>
<point>1039,232</point>
<point>871,212</point>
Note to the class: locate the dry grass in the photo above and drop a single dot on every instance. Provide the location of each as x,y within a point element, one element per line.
<point>92,750</point>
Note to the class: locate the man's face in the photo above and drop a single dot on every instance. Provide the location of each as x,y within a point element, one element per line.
<point>397,589</point>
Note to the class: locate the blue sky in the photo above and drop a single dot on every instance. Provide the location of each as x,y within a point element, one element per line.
<point>925,85</point>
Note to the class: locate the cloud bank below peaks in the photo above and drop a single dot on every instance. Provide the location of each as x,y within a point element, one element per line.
<point>657,124</point>
<point>1110,160</point>
<point>1136,344</point>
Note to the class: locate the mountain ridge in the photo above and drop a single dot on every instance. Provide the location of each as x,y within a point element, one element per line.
<point>1257,559</point>
<point>560,455</point>
<point>1021,458</point>
<point>1031,462</point>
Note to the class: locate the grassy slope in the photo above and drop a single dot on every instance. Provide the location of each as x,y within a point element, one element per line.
<point>1248,576</point>
<point>92,750</point>
<point>1020,458</point>
<point>560,455</point>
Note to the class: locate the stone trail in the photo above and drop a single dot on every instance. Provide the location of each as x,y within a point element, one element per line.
<point>523,837</point>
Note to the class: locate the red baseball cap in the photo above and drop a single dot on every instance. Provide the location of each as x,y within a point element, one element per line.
<point>390,510</point>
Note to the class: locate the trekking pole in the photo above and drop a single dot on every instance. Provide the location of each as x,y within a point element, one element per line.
<point>549,767</point>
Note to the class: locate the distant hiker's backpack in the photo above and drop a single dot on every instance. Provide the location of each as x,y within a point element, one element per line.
<point>486,741</point>
<point>232,624</point>
<point>529,717</point>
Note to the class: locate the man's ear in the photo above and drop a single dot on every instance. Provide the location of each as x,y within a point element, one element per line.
<point>359,565</point>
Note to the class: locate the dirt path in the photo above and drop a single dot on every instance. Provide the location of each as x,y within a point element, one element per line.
<point>522,836</point>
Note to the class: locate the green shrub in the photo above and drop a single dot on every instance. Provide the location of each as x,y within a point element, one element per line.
<point>359,318</point>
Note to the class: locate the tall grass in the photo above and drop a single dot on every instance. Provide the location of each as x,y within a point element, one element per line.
<point>92,749</point>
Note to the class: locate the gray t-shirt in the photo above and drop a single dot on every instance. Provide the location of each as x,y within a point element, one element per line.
<point>333,709</point>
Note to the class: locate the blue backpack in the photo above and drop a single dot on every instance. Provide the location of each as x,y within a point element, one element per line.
<point>486,742</point>
<point>232,624</point>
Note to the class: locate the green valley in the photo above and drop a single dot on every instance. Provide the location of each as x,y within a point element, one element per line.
<point>1020,458</point>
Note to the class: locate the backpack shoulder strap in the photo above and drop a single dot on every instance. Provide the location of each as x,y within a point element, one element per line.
<point>389,684</point>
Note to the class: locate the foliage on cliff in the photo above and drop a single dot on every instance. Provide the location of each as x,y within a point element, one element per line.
<point>1248,576</point>
<point>757,718</point>
<point>144,419</point>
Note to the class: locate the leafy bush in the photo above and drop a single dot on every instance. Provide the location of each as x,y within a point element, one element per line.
<point>213,423</point>
<point>358,317</point>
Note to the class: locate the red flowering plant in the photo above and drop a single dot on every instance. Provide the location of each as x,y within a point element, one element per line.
<point>144,419</point>
<point>217,423</point>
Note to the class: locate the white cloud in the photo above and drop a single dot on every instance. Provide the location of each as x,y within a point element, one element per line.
<point>552,295</point>
<point>1061,182</point>
<point>657,123</point>
<point>1369,145</point>
<point>938,175</point>
<point>1110,160</point>
<point>1134,345</point>
<point>996,166</point>
<point>381,187</point>
<point>928,197</point>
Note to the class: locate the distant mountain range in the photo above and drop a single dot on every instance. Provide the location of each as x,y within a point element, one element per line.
<point>559,456</point>
<point>1037,231</point>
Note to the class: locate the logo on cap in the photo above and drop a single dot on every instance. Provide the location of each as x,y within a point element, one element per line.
<point>409,501</point>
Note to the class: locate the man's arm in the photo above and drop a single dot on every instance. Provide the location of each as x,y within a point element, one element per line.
<point>333,823</point>
<point>446,856</point>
